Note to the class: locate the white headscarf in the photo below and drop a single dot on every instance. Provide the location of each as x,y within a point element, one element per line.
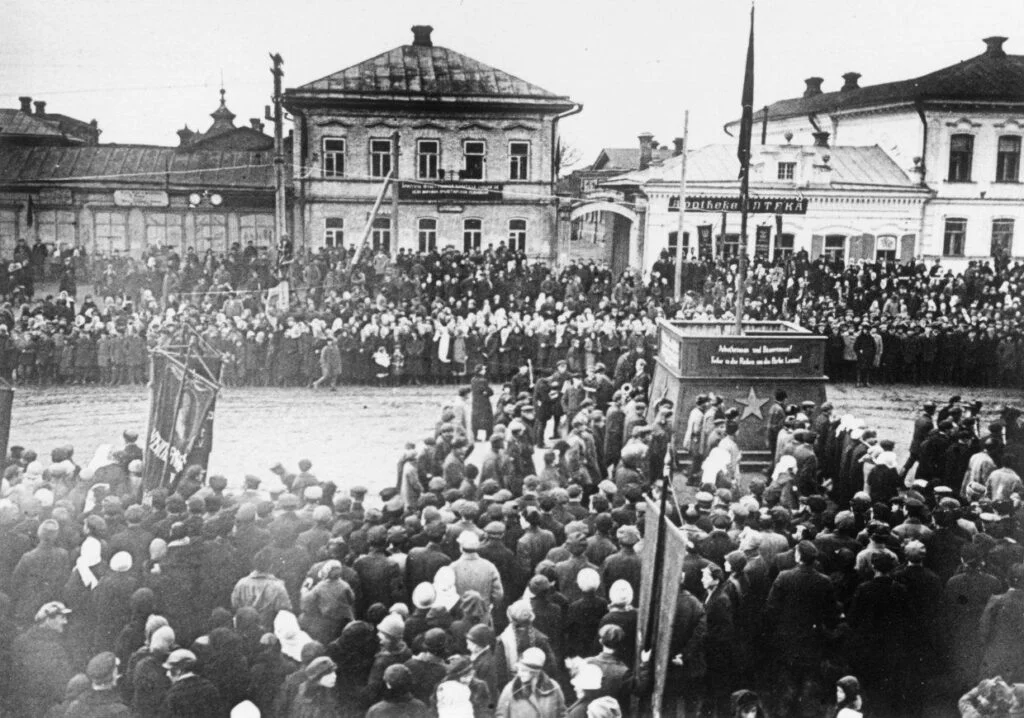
<point>89,556</point>
<point>886,458</point>
<point>292,638</point>
<point>444,588</point>
<point>786,463</point>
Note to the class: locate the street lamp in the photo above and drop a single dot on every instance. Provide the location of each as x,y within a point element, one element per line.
<point>195,199</point>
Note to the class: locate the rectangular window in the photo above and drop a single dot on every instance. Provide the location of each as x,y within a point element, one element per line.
<point>835,247</point>
<point>380,158</point>
<point>164,229</point>
<point>517,235</point>
<point>472,234</point>
<point>730,246</point>
<point>256,228</point>
<point>885,249</point>
<point>111,232</point>
<point>1008,159</point>
<point>211,233</point>
<point>474,153</point>
<point>961,153</point>
<point>428,158</point>
<point>56,227</point>
<point>519,160</point>
<point>786,170</point>
<point>673,244</point>
<point>8,231</point>
<point>954,238</point>
<point>381,235</point>
<point>334,232</point>
<point>1002,237</point>
<point>334,157</point>
<point>784,244</point>
<point>427,234</point>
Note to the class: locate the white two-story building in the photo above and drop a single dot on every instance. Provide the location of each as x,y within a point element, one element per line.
<point>958,131</point>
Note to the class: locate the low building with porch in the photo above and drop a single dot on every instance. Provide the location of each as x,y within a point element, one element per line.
<point>851,203</point>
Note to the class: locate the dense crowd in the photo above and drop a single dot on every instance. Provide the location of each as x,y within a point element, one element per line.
<point>434,316</point>
<point>508,585</point>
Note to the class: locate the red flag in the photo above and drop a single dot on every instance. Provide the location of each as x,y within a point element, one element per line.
<point>747,120</point>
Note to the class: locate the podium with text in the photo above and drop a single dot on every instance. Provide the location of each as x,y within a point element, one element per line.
<point>744,368</point>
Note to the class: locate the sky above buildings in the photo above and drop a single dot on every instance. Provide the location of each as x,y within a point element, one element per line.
<point>144,68</point>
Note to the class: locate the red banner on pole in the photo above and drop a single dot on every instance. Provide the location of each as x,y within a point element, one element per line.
<point>180,421</point>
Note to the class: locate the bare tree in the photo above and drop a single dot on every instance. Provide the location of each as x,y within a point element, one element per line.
<point>567,156</point>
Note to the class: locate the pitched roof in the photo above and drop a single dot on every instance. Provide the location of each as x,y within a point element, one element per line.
<point>852,167</point>
<point>626,158</point>
<point>992,76</point>
<point>430,71</point>
<point>135,165</point>
<point>16,122</point>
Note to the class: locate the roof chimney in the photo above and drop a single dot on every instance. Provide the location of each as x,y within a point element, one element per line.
<point>994,46</point>
<point>820,139</point>
<point>677,146</point>
<point>421,36</point>
<point>26,104</point>
<point>813,86</point>
<point>850,82</point>
<point>645,149</point>
<point>256,124</point>
<point>40,107</point>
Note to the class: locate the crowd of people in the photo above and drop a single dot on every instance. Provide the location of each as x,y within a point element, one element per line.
<point>433,316</point>
<point>508,584</point>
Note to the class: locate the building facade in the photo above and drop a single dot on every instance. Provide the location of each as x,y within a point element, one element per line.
<point>850,203</point>
<point>121,200</point>
<point>957,130</point>
<point>473,149</point>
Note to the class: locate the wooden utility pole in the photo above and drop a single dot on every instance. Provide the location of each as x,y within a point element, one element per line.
<point>280,211</point>
<point>678,279</point>
<point>395,154</point>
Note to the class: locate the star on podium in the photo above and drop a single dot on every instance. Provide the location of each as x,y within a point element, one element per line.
<point>752,405</point>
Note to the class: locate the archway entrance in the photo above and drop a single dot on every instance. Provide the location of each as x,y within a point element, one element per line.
<point>604,232</point>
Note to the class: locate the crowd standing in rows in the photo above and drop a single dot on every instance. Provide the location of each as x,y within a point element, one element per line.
<point>508,585</point>
<point>433,316</point>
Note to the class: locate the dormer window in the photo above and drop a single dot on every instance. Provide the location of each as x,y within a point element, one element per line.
<point>787,170</point>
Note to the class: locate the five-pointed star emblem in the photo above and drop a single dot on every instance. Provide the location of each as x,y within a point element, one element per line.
<point>752,405</point>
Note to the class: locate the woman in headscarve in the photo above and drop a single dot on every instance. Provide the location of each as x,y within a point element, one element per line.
<point>781,491</point>
<point>292,638</point>
<point>247,626</point>
<point>446,595</point>
<point>226,666</point>
<point>317,697</point>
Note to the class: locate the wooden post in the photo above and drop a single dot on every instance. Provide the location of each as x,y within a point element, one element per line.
<point>395,155</point>
<point>678,279</point>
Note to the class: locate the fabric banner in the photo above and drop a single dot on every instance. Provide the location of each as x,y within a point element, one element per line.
<point>278,299</point>
<point>664,590</point>
<point>180,421</point>
<point>6,404</point>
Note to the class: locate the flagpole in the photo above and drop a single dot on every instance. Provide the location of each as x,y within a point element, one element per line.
<point>746,129</point>
<point>678,279</point>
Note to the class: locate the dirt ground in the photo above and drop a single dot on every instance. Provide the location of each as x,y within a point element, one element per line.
<point>353,435</point>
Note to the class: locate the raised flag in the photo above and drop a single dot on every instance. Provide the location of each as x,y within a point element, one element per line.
<point>747,119</point>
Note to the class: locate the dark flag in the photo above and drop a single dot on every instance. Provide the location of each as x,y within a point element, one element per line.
<point>6,404</point>
<point>180,421</point>
<point>747,120</point>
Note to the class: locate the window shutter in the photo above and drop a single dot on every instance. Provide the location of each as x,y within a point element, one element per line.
<point>817,245</point>
<point>907,247</point>
<point>856,247</point>
<point>868,247</point>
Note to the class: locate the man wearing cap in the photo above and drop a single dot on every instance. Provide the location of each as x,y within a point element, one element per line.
<point>424,561</point>
<point>475,573</point>
<point>567,570</point>
<point>531,692</point>
<point>131,450</point>
<point>111,599</point>
<point>40,574</point>
<point>134,539</point>
<point>190,694</point>
<point>493,549</point>
<point>392,652</point>
<point>40,668</point>
<point>262,591</point>
<point>101,701</point>
<point>773,422</point>
<point>379,576</point>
